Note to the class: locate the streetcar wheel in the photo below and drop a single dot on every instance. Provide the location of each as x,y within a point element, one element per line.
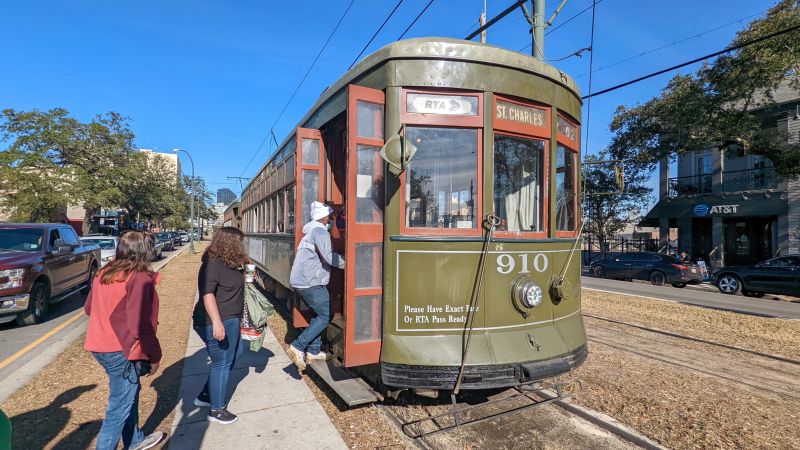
<point>599,272</point>
<point>729,284</point>
<point>657,278</point>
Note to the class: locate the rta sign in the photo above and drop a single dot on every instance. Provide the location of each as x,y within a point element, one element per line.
<point>703,210</point>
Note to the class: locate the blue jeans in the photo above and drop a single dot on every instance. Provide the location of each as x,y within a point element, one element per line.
<point>317,298</point>
<point>122,414</point>
<point>223,356</point>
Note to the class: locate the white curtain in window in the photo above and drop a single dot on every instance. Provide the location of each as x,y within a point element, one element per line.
<point>522,205</point>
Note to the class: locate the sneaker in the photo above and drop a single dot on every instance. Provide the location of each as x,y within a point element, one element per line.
<point>222,416</point>
<point>150,441</point>
<point>203,400</point>
<point>297,357</point>
<point>321,356</point>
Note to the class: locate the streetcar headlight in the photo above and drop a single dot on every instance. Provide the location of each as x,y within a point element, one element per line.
<point>526,292</point>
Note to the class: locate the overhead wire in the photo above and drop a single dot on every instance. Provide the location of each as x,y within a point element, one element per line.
<point>415,19</point>
<point>693,61</point>
<point>288,102</point>
<point>375,34</point>
<point>653,50</point>
<point>552,30</point>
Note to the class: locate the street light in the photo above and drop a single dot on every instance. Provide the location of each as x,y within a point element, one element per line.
<point>191,207</point>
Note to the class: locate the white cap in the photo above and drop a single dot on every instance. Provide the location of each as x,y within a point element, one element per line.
<point>320,210</point>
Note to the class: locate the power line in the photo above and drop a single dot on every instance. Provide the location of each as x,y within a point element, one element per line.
<point>330,36</point>
<point>376,34</point>
<point>494,20</point>
<point>552,30</point>
<point>696,60</point>
<point>675,43</point>
<point>416,19</point>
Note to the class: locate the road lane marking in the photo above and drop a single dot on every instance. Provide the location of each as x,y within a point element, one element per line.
<point>41,339</point>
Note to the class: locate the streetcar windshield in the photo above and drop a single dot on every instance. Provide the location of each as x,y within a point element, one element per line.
<point>565,189</point>
<point>441,183</point>
<point>518,170</point>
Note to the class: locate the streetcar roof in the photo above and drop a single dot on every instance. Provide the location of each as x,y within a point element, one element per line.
<point>432,48</point>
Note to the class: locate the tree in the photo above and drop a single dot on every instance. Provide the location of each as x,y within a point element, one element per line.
<point>606,209</point>
<point>719,104</point>
<point>53,160</point>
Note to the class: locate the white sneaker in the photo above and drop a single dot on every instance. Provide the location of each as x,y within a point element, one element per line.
<point>321,356</point>
<point>297,357</point>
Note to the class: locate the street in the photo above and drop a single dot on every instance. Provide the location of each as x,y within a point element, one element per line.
<point>21,345</point>
<point>737,303</point>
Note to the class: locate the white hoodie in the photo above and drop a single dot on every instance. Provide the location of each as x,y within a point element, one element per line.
<point>314,258</point>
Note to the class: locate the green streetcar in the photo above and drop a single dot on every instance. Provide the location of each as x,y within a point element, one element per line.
<point>452,168</point>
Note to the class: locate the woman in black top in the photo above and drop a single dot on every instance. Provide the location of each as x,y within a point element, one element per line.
<point>217,314</point>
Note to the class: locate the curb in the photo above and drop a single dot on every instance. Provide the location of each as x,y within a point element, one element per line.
<point>55,346</point>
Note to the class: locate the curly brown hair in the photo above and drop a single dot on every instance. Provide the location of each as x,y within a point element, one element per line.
<point>228,247</point>
<point>134,253</point>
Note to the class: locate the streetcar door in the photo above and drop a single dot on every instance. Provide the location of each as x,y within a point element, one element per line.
<point>309,181</point>
<point>364,239</point>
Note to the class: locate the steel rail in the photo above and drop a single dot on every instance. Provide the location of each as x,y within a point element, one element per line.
<point>696,339</point>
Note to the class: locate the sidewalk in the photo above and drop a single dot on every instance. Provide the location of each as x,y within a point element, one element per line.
<point>276,409</point>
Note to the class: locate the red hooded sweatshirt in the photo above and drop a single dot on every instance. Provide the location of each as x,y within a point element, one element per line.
<point>123,317</point>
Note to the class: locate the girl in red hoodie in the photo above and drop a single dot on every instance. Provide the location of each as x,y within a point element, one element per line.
<point>123,315</point>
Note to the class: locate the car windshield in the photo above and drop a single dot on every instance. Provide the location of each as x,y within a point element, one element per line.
<point>163,236</point>
<point>104,244</point>
<point>21,239</point>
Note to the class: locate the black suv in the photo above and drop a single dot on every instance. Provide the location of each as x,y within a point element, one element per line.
<point>166,240</point>
<point>779,275</point>
<point>655,267</point>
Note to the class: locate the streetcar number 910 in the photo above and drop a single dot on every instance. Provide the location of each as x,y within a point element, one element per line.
<point>508,263</point>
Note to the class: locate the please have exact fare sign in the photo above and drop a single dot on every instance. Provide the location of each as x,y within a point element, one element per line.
<point>522,114</point>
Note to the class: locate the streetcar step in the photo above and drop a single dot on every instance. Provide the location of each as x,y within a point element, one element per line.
<point>351,389</point>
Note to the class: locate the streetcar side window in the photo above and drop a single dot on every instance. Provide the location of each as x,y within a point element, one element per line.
<point>518,183</point>
<point>565,189</point>
<point>442,182</point>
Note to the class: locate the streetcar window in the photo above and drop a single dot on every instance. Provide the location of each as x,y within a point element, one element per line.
<point>279,214</point>
<point>369,184</point>
<point>290,209</point>
<point>565,189</point>
<point>367,321</point>
<point>442,179</point>
<point>518,175</point>
<point>309,193</point>
<point>310,148</point>
<point>369,120</point>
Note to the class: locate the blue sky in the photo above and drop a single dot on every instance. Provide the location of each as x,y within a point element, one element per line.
<point>212,76</point>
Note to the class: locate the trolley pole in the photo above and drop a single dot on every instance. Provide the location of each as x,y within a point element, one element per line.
<point>537,47</point>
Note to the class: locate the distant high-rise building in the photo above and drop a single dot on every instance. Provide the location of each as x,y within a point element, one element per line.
<point>225,196</point>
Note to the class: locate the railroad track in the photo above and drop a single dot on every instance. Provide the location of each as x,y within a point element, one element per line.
<point>754,370</point>
<point>537,397</point>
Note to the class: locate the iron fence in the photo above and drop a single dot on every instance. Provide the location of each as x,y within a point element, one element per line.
<point>750,179</point>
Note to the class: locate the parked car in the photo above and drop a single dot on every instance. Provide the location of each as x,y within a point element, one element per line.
<point>158,250</point>
<point>658,268</point>
<point>41,264</point>
<point>176,239</point>
<point>779,275</point>
<point>166,241</point>
<point>184,236</point>
<point>108,246</point>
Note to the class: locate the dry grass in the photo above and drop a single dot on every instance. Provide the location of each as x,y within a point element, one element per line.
<point>768,335</point>
<point>682,408</point>
<point>63,407</point>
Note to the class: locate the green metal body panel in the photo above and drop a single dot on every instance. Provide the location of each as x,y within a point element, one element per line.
<point>428,280</point>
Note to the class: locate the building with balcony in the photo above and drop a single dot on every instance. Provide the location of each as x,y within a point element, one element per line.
<point>730,207</point>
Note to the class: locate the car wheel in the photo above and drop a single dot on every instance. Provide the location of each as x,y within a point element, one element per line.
<point>679,285</point>
<point>92,273</point>
<point>38,305</point>
<point>729,284</point>
<point>599,272</point>
<point>657,278</point>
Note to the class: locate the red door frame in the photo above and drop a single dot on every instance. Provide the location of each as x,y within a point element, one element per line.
<point>357,354</point>
<point>301,315</point>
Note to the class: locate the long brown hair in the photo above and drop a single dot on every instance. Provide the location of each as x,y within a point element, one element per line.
<point>134,252</point>
<point>228,247</point>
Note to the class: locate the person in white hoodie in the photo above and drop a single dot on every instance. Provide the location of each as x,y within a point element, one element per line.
<point>311,272</point>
